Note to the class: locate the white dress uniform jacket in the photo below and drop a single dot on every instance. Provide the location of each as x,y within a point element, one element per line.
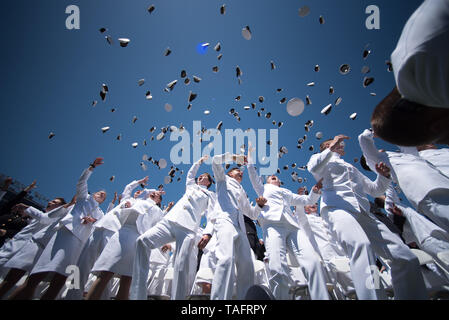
<point>85,205</point>
<point>344,186</point>
<point>282,234</point>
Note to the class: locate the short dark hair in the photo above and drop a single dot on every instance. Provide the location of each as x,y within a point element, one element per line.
<point>62,200</point>
<point>323,145</point>
<point>364,164</point>
<point>232,169</point>
<point>400,121</point>
<point>211,180</point>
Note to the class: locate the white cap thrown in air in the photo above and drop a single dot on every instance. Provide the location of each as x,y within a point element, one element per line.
<point>420,60</point>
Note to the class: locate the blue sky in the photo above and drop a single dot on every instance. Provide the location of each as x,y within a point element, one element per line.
<point>50,76</point>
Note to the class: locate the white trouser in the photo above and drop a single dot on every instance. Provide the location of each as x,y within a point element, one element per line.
<point>232,249</point>
<point>436,207</point>
<point>183,273</point>
<point>91,251</point>
<point>280,237</point>
<point>359,234</point>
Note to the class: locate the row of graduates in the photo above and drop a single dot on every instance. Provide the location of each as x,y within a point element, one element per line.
<point>125,241</point>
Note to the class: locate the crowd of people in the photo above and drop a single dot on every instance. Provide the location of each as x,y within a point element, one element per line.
<point>331,243</point>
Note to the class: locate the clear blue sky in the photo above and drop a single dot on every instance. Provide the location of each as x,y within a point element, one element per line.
<point>50,76</point>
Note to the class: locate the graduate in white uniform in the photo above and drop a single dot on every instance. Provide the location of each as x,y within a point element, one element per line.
<point>232,247</point>
<point>22,260</point>
<point>416,112</point>
<point>425,186</point>
<point>11,246</point>
<point>346,209</point>
<point>66,244</point>
<point>282,233</point>
<point>328,247</point>
<point>136,216</point>
<point>103,231</point>
<point>180,224</point>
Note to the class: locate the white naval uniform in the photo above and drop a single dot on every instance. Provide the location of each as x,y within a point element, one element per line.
<point>26,257</point>
<point>66,244</point>
<point>181,224</point>
<point>103,231</point>
<point>421,58</point>
<point>281,233</point>
<point>10,248</point>
<point>346,209</point>
<point>232,247</point>
<point>118,254</point>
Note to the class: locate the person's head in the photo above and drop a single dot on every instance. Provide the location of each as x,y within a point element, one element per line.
<point>301,190</point>
<point>426,147</point>
<point>274,180</point>
<point>406,123</point>
<point>100,196</point>
<point>205,180</point>
<point>340,148</point>
<point>56,202</point>
<point>138,193</point>
<point>310,209</point>
<point>380,201</point>
<point>236,173</point>
<point>156,197</point>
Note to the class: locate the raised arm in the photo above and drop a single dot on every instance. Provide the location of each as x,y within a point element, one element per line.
<point>294,199</point>
<point>217,166</point>
<point>256,180</point>
<point>81,186</point>
<point>127,192</point>
<point>191,175</point>
<point>379,186</point>
<point>372,155</point>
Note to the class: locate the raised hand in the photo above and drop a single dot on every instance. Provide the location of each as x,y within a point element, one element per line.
<point>336,142</point>
<point>383,169</point>
<point>30,187</point>
<point>318,186</point>
<point>170,205</point>
<point>204,158</point>
<point>98,161</point>
<point>204,241</point>
<point>261,201</point>
<point>144,181</point>
<point>396,211</point>
<point>88,219</point>
<point>166,247</point>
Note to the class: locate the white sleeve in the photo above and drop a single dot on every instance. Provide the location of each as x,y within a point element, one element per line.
<point>217,166</point>
<point>374,188</point>
<point>301,200</point>
<point>318,162</point>
<point>191,175</point>
<point>129,189</point>
<point>210,215</point>
<point>372,155</point>
<point>2,194</point>
<point>256,180</point>
<point>81,186</point>
<point>249,211</point>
